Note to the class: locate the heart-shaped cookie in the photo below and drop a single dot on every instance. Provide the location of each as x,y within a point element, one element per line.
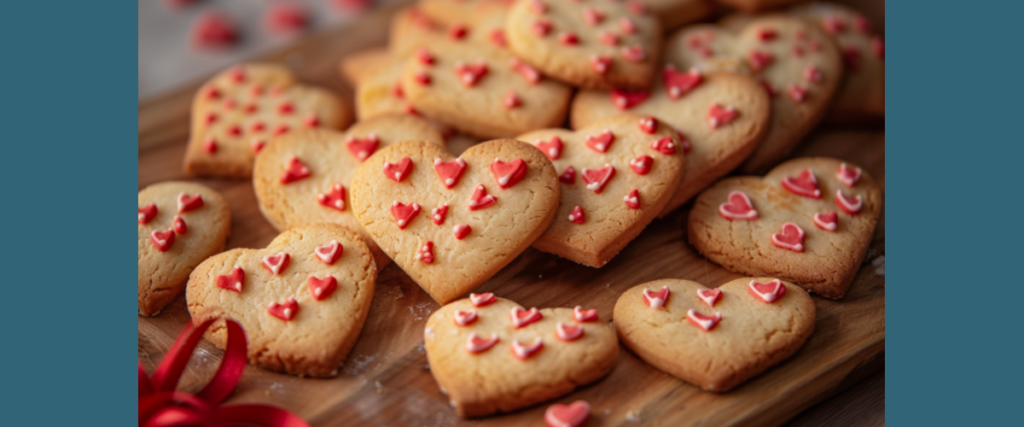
<point>797,64</point>
<point>715,338</point>
<point>302,300</point>
<point>863,89</point>
<point>452,223</point>
<point>239,110</point>
<point>597,45</point>
<point>808,221</point>
<point>616,175</point>
<point>331,159</point>
<point>491,355</point>
<point>723,115</point>
<point>482,90</point>
<point>180,225</point>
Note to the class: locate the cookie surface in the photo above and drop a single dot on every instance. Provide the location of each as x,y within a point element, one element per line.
<point>331,159</point>
<point>748,234</point>
<point>482,90</point>
<point>187,234</point>
<point>751,6</point>
<point>496,379</point>
<point>239,110</point>
<point>450,240</point>
<point>863,89</point>
<point>476,21</point>
<point>618,191</point>
<point>304,318</point>
<point>746,336</point>
<point>716,149</point>
<point>675,13</point>
<point>596,45</point>
<point>796,63</point>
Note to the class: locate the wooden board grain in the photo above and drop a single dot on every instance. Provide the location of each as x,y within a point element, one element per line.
<point>385,380</point>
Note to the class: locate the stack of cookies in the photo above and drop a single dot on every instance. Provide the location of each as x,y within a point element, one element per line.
<point>486,127</point>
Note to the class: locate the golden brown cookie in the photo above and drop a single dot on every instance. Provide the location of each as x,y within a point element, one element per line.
<point>491,355</point>
<point>616,175</point>
<point>595,45</point>
<point>676,13</point>
<point>721,116</point>
<point>808,221</point>
<point>302,300</point>
<point>482,90</point>
<point>180,225</point>
<point>239,110</point>
<point>715,338</point>
<point>305,177</point>
<point>797,64</point>
<point>452,223</point>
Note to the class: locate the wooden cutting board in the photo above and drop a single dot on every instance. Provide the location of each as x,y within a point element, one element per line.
<point>386,380</point>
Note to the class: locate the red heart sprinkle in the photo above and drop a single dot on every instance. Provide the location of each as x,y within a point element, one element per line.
<point>641,165</point>
<point>404,213</point>
<point>522,317</point>
<point>592,16</point>
<point>481,199</point>
<point>162,240</point>
<point>648,124</point>
<point>767,292</point>
<point>551,148</point>
<point>475,344</point>
<point>497,36</point>
<point>759,60</point>
<point>813,74</point>
<point>719,116</point>
<point>481,300</point>
<point>538,7</point>
<point>569,176</point>
<point>766,34</point>
<point>334,198</point>
<point>627,25</point>
<point>257,145</point>
<point>232,281</point>
<point>664,145</point>
<point>626,99</point>
<point>422,78</point>
<point>462,230</point>
<point>508,174</point>
<point>398,172</point>
<point>426,252</point>
<point>568,38</point>
<point>709,296</point>
<point>680,83</point>
<point>792,238</point>
<point>147,213</point>
<point>568,332</point>
<point>828,221</point>
<point>424,56</point>
<point>458,31</point>
<point>470,74</point>
<point>188,203</point>
<point>609,38</point>
<point>179,225</point>
<point>330,252</point>
<point>439,214</point>
<point>656,300</point>
<point>577,215</point>
<point>463,318</point>
<point>575,414</point>
<point>582,315</point>
<point>596,179</point>
<point>632,199</point>
<point>848,176</point>
<point>797,92</point>
<point>322,288</point>
<point>529,73</point>
<point>833,24</point>
<point>541,27</point>
<point>284,311</point>
<point>601,142</point>
<point>295,171</point>
<point>633,53</point>
<point>707,323</point>
<point>600,63</point>
<point>276,263</point>
<point>363,148</point>
<point>311,121</point>
<point>214,30</point>
<point>738,207</point>
<point>850,205</point>
<point>637,7</point>
<point>511,99</point>
<point>805,184</point>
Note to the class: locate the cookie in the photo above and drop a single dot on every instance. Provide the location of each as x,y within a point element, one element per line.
<point>797,64</point>
<point>752,6</point>
<point>676,13</point>
<point>180,225</point>
<point>862,93</point>
<point>239,110</point>
<point>714,338</point>
<point>374,74</point>
<point>305,177</point>
<point>808,221</point>
<point>616,176</point>
<point>491,355</point>
<point>482,90</point>
<point>302,300</point>
<point>452,223</point>
<point>722,115</point>
<point>594,45</point>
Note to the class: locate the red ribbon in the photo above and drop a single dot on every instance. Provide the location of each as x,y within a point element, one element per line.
<point>161,406</point>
